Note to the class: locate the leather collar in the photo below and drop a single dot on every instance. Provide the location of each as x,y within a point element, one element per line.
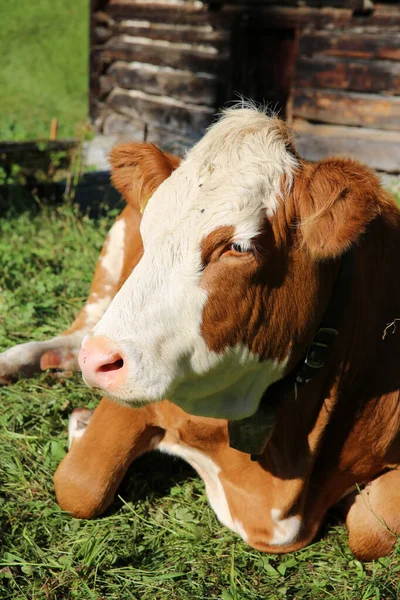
<point>252,434</point>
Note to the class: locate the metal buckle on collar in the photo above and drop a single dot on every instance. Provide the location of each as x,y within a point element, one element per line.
<point>319,348</point>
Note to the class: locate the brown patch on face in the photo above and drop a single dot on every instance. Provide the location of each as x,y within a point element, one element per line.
<point>273,300</point>
<point>257,299</point>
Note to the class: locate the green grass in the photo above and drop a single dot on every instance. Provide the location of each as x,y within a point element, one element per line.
<point>160,540</point>
<point>44,67</point>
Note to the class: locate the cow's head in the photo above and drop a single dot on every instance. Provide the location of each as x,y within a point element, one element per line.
<point>236,272</point>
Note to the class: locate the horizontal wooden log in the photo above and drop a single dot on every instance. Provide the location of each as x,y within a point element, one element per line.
<point>382,45</point>
<point>182,85</point>
<point>165,54</point>
<point>355,5</point>
<point>342,74</point>
<point>189,13</point>
<point>101,34</point>
<point>378,149</point>
<point>159,111</point>
<point>124,127</point>
<point>100,17</point>
<point>283,17</point>
<point>347,108</point>
<point>170,32</point>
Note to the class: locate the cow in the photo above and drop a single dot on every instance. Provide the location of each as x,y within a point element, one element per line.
<point>259,293</point>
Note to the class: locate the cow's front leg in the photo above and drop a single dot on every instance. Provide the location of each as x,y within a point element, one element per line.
<point>120,253</point>
<point>103,446</point>
<point>24,360</point>
<point>373,517</point>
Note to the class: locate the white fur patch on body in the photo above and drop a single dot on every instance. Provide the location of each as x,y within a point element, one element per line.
<point>232,177</point>
<point>113,259</point>
<point>78,421</point>
<point>209,472</point>
<point>286,530</point>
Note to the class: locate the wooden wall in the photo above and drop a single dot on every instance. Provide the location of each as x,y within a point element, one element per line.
<point>160,70</point>
<point>346,88</point>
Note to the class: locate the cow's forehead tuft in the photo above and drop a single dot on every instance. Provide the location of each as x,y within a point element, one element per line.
<point>239,135</point>
<point>236,169</point>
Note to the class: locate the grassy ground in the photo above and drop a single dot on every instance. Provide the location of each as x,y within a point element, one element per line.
<point>160,540</point>
<point>44,67</point>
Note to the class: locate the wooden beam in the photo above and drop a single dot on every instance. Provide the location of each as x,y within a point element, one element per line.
<point>343,74</point>
<point>182,85</point>
<point>283,17</point>
<point>165,54</point>
<point>189,120</point>
<point>172,32</point>
<point>188,13</point>
<point>347,108</point>
<point>382,45</point>
<point>354,5</point>
<point>378,149</point>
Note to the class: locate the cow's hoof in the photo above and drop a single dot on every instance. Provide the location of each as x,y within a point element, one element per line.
<point>63,360</point>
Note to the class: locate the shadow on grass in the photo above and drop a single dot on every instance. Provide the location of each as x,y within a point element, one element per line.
<point>151,476</point>
<point>94,195</point>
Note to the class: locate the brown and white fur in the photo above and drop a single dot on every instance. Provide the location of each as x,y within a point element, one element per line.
<point>241,250</point>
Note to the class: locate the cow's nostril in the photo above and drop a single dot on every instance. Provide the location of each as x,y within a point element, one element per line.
<point>112,366</point>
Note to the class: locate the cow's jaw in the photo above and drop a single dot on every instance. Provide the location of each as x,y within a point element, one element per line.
<point>156,319</point>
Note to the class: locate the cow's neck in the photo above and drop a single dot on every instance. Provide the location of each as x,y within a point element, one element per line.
<point>373,356</point>
<point>326,436</point>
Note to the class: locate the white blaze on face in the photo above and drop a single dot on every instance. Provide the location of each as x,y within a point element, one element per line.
<point>230,178</point>
<point>113,259</point>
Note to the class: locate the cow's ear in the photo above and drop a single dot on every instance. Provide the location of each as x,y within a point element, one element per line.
<point>339,197</point>
<point>137,169</point>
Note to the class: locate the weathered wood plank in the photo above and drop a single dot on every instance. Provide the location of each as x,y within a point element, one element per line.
<point>171,32</point>
<point>100,17</point>
<point>351,4</point>
<point>188,119</point>
<point>165,54</point>
<point>382,45</point>
<point>101,34</point>
<point>184,14</point>
<point>182,85</point>
<point>347,108</point>
<point>303,16</point>
<point>378,149</point>
<point>359,76</point>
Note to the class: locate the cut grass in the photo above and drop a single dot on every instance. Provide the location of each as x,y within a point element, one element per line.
<point>160,540</point>
<point>44,70</point>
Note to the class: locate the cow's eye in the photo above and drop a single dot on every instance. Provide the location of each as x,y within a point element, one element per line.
<point>241,247</point>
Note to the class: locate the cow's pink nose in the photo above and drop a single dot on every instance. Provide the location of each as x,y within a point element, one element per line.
<point>101,363</point>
